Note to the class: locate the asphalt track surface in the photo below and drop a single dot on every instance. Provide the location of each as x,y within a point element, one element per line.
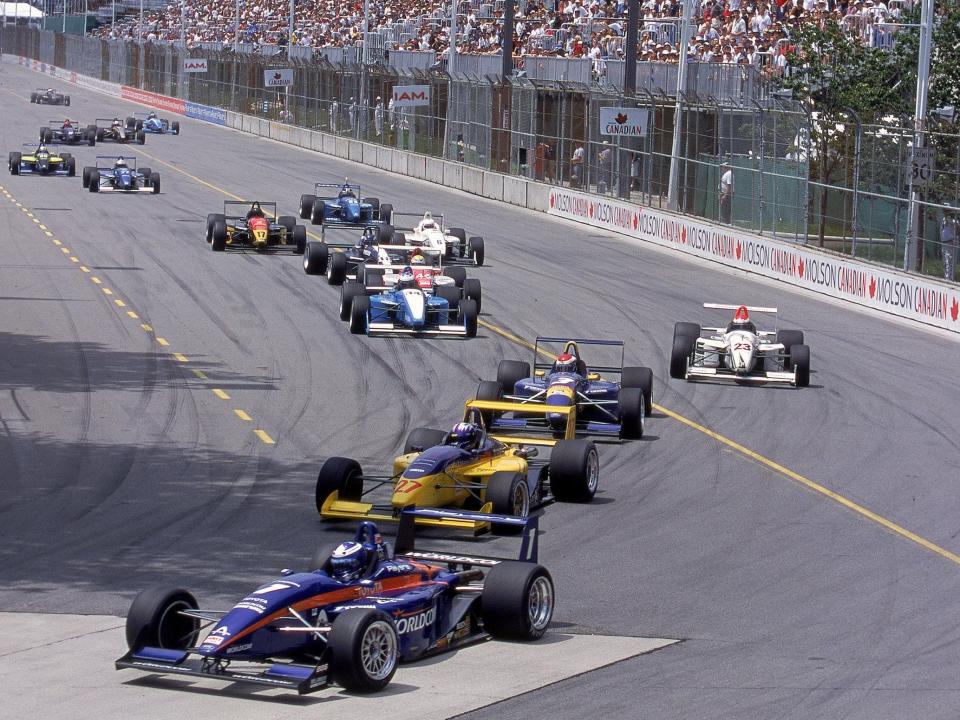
<point>121,467</point>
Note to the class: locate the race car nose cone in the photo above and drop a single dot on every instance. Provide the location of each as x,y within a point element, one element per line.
<point>259,237</point>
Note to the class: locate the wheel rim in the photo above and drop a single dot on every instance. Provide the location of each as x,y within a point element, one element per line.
<point>521,500</point>
<point>378,650</point>
<point>175,631</point>
<point>540,603</point>
<point>306,261</point>
<point>593,470</point>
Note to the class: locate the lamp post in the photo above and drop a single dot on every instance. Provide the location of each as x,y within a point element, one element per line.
<point>183,23</point>
<point>912,244</point>
<point>452,53</point>
<point>673,199</point>
<point>64,28</point>
<point>290,32</point>
<point>236,28</point>
<point>140,25</point>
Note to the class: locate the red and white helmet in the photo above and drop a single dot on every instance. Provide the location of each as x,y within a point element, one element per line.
<point>741,316</point>
<point>565,362</point>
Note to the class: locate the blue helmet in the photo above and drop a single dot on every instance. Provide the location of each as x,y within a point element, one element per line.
<point>348,561</point>
<point>465,435</point>
<point>407,280</point>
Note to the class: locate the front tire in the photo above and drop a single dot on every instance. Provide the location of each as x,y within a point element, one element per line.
<point>341,475</point>
<point>306,206</point>
<point>680,355</point>
<point>574,470</point>
<point>348,291</point>
<point>640,377</point>
<point>315,257</point>
<point>789,338</point>
<point>299,239</point>
<point>800,358</point>
<point>337,268</point>
<point>475,250</point>
<point>94,184</point>
<point>365,649</point>
<point>155,183</point>
<point>510,495</point>
<point>154,620</point>
<point>458,274</point>
<point>423,438</point>
<point>218,236</point>
<point>517,601</point>
<point>469,315</point>
<point>358,314</point>
<point>630,411</point>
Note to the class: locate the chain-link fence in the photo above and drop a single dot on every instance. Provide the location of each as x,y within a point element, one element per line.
<point>765,164</point>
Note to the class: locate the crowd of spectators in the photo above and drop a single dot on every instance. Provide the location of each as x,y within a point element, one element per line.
<point>750,32</point>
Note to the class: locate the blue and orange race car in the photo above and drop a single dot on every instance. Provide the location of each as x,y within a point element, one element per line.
<point>358,612</point>
<point>342,204</point>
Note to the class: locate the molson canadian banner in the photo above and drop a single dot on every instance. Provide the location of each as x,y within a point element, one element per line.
<point>909,296</point>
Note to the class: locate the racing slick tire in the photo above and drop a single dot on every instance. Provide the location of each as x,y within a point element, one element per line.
<point>685,336</point>
<point>450,294</point>
<point>94,184</point>
<point>365,649</point>
<point>66,101</point>
<point>509,372</point>
<point>468,313</point>
<point>800,359</point>
<point>341,475</point>
<point>517,600</point>
<point>141,137</point>
<point>358,314</point>
<point>789,338</point>
<point>631,411</point>
<point>218,236</point>
<point>146,172</point>
<point>316,212</point>
<point>385,234</point>
<point>386,213</point>
<point>315,256</point>
<point>337,268</point>
<point>488,390</point>
<point>374,203</point>
<point>509,494</point>
<point>472,291</point>
<point>71,163</point>
<point>457,274</point>
<point>155,183</point>
<point>475,250</point>
<point>299,239</point>
<point>306,206</point>
<point>640,377</point>
<point>33,97</point>
<point>348,291</point>
<point>153,619</point>
<point>422,438</point>
<point>86,176</point>
<point>131,123</point>
<point>91,136</point>
<point>688,329</point>
<point>287,221</point>
<point>15,163</point>
<point>211,219</point>
<point>461,235</point>
<point>175,128</point>
<point>46,135</point>
<point>574,470</point>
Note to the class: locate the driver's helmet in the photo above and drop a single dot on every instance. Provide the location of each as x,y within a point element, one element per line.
<point>346,192</point>
<point>465,435</point>
<point>417,258</point>
<point>255,210</point>
<point>741,321</point>
<point>407,280</point>
<point>116,123</point>
<point>67,123</point>
<point>565,362</point>
<point>370,237</point>
<point>42,149</point>
<point>427,221</point>
<point>120,163</point>
<point>151,115</point>
<point>347,561</point>
<point>50,90</point>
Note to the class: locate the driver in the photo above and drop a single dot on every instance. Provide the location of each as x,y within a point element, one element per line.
<point>348,561</point>
<point>42,149</point>
<point>466,436</point>
<point>255,210</point>
<point>116,126</point>
<point>347,192</point>
<point>417,258</point>
<point>428,222</point>
<point>67,124</point>
<point>151,115</point>
<point>565,363</point>
<point>407,281</point>
<point>742,321</point>
<point>120,163</point>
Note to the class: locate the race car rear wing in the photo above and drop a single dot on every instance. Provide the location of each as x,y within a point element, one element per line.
<point>508,427</point>
<point>404,543</point>
<point>539,352</point>
<point>269,208</point>
<point>58,122</point>
<point>749,308</point>
<point>414,219</point>
<point>105,162</point>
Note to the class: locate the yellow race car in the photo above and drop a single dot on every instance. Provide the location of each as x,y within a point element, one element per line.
<point>41,160</point>
<point>466,468</point>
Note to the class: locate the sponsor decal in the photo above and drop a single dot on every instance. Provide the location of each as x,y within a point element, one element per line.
<point>154,99</point>
<point>217,116</point>
<point>411,95</point>
<point>213,640</point>
<point>239,648</point>
<point>222,631</point>
<point>194,65</point>
<point>251,602</point>
<point>277,77</point>
<point>273,587</point>
<point>416,622</point>
<point>370,589</point>
<point>624,122</point>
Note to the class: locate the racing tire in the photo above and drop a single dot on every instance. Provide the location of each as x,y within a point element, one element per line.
<point>640,377</point>
<point>365,650</point>
<point>94,184</point>
<point>155,183</point>
<point>385,234</point>
<point>509,495</point>
<point>46,135</point>
<point>680,356</point>
<point>386,213</point>
<point>66,101</point>
<point>299,239</point>
<point>86,177</point>
<point>468,314</point>
<point>423,438</point>
<point>287,221</point>
<point>517,600</point>
<point>461,235</point>
<point>488,390</point>
<point>33,97</point>
<point>688,329</point>
<point>71,163</point>
<point>509,373</point>
<point>15,158</point>
<point>574,470</point>
<point>306,206</point>
<point>374,203</point>
<point>449,293</point>
<point>131,123</point>
<point>341,475</point>
<point>358,314</point>
<point>175,128</point>
<point>800,359</point>
<point>316,213</point>
<point>315,256</point>
<point>141,137</point>
<point>337,268</point>
<point>458,274</point>
<point>146,172</point>
<point>475,250</point>
<point>472,291</point>
<point>789,338</point>
<point>348,291</point>
<point>631,412</point>
<point>211,219</point>
<point>372,278</point>
<point>218,236</point>
<point>91,137</point>
<point>153,619</point>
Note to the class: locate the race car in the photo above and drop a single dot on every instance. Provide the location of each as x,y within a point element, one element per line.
<point>49,96</point>
<point>150,123</point>
<point>113,130</point>
<point>467,468</point>
<point>254,224</point>
<point>41,160</point>
<point>120,174</point>
<point>69,132</point>
<point>601,403</point>
<point>739,352</point>
<point>408,300</point>
<point>341,204</point>
<point>359,610</point>
<point>372,247</point>
<point>429,234</point>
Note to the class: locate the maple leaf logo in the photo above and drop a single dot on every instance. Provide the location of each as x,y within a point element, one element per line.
<point>277,76</point>
<point>590,210</point>
<point>873,286</point>
<point>683,234</point>
<point>739,249</point>
<point>552,199</point>
<point>800,266</point>
<point>955,310</point>
<point>620,119</point>
<point>636,220</point>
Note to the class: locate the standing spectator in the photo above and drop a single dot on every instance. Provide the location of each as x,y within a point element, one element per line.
<point>378,117</point>
<point>352,115</point>
<point>636,171</point>
<point>948,245</point>
<point>726,193</point>
<point>603,162</point>
<point>461,148</point>
<point>576,167</point>
<point>334,115</point>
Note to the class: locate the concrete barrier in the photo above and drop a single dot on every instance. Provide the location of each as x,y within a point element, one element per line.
<point>472,180</point>
<point>515,191</point>
<point>453,175</point>
<point>492,186</point>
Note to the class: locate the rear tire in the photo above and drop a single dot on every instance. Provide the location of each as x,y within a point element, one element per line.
<point>94,185</point>
<point>337,268</point>
<point>299,239</point>
<point>348,291</point>
<point>341,475</point>
<point>315,257</point>
<point>71,167</point>
<point>472,291</point>
<point>306,206</point>
<point>574,470</point>
<point>510,495</point>
<point>468,315</point>
<point>358,314</point>
<point>175,127</point>
<point>153,619</point>
<point>640,377</point>
<point>800,358</point>
<point>46,135</point>
<point>86,177</point>
<point>386,213</point>
<point>488,390</point>
<point>218,236</point>
<point>475,250</point>
<point>457,274</point>
<point>423,438</point>
<point>365,649</point>
<point>141,137</point>
<point>517,601</point>
<point>385,234</point>
<point>509,373</point>
<point>449,293</point>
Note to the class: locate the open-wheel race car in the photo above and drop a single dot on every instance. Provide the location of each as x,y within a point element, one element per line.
<point>606,399</point>
<point>113,130</point>
<point>360,610</point>
<point>254,224</point>
<point>342,204</point>
<point>49,96</point>
<point>428,233</point>
<point>150,122</point>
<point>120,174</point>
<point>739,352</point>
<point>468,468</point>
<point>68,132</point>
<point>41,159</point>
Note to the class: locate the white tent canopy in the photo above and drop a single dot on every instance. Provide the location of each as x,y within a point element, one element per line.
<point>20,10</point>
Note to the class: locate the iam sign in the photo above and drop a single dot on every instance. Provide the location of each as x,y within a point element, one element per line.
<point>195,65</point>
<point>411,95</point>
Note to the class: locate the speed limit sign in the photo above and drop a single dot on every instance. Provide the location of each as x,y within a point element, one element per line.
<point>921,173</point>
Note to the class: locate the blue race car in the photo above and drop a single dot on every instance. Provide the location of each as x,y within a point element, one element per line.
<point>150,123</point>
<point>342,205</point>
<point>41,160</point>
<point>603,405</point>
<point>414,302</point>
<point>120,175</point>
<point>68,132</point>
<point>358,612</point>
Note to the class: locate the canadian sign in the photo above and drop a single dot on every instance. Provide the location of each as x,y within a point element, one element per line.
<point>411,95</point>
<point>277,77</point>
<point>191,65</point>
<point>624,122</point>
